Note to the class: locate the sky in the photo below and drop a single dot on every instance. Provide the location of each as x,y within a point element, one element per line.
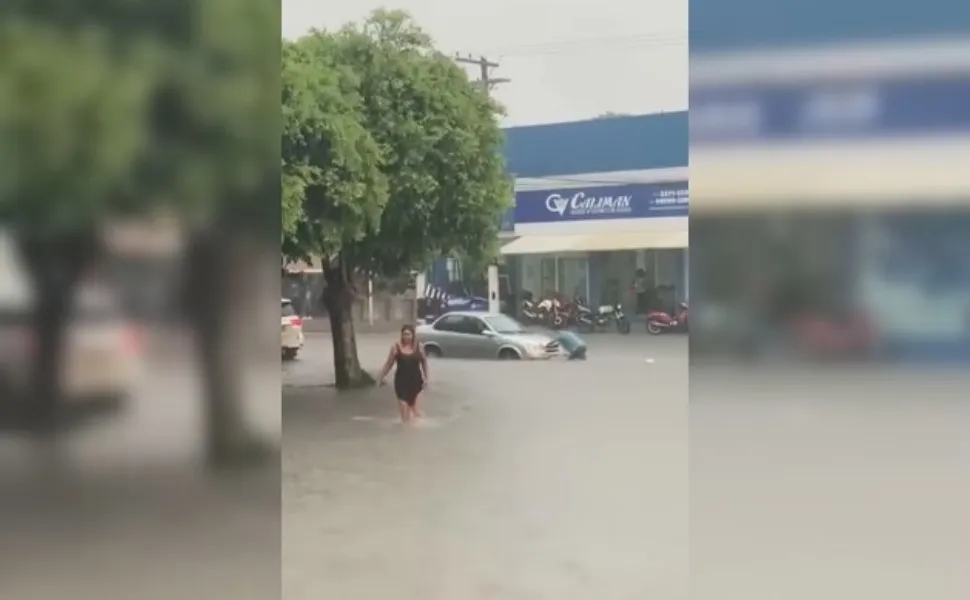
<point>566,61</point>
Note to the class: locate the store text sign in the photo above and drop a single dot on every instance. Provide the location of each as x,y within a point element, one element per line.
<point>632,201</point>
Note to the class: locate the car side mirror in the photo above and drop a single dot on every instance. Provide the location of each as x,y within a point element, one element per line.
<point>488,333</point>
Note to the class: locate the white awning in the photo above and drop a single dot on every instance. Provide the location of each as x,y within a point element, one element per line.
<point>845,176</point>
<point>640,240</point>
<point>544,244</point>
<point>552,244</point>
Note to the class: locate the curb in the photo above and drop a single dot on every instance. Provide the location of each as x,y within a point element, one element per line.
<point>322,325</point>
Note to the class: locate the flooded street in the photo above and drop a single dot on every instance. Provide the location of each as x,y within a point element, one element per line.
<point>528,480</point>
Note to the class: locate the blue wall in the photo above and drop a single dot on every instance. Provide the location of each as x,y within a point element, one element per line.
<point>598,146</point>
<point>720,25</point>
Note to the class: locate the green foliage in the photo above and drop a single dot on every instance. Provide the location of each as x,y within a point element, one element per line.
<point>71,124</point>
<point>124,106</point>
<point>333,187</point>
<point>439,152</point>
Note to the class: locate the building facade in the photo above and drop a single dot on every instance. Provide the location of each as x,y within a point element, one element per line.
<point>852,149</point>
<point>596,203</point>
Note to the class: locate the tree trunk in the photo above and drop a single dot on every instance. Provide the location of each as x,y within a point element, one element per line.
<point>55,265</point>
<point>339,298</point>
<point>215,270</point>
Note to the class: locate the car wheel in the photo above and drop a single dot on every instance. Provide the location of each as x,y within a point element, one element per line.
<point>290,353</point>
<point>432,351</point>
<point>508,354</point>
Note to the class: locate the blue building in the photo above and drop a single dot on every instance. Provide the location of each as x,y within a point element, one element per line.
<point>856,121</point>
<point>596,202</point>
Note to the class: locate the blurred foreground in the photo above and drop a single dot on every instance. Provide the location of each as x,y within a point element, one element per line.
<point>127,489</point>
<point>161,117</point>
<point>830,279</point>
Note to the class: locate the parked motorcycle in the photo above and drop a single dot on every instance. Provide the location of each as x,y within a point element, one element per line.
<point>605,315</point>
<point>659,321</point>
<point>826,337</point>
<point>547,312</point>
<point>553,312</point>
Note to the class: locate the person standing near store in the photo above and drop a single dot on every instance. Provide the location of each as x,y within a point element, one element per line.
<point>641,289</point>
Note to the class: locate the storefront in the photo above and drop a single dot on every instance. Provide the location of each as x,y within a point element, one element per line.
<point>856,172</point>
<point>594,241</point>
<point>595,201</point>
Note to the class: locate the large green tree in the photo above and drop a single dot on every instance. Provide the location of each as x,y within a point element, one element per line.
<point>333,186</point>
<point>127,107</point>
<point>421,131</point>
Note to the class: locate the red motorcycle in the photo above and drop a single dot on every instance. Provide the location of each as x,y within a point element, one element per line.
<point>822,336</point>
<point>659,321</point>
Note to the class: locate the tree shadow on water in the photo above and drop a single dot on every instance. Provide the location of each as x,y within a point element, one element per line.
<point>322,404</point>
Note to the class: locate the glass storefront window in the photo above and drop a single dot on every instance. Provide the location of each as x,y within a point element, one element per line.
<point>667,267</point>
<point>616,273</point>
<point>547,276</point>
<point>914,275</point>
<point>601,277</point>
<point>573,277</point>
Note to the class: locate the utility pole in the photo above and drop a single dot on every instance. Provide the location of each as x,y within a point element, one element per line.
<point>485,67</point>
<point>487,82</point>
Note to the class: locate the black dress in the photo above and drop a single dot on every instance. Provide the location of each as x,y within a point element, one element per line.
<point>408,379</point>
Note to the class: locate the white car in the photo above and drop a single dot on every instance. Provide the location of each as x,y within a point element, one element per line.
<point>291,331</point>
<point>103,351</point>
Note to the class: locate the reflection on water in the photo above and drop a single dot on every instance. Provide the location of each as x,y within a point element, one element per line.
<point>391,422</point>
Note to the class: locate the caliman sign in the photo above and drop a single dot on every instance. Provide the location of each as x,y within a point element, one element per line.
<point>866,107</point>
<point>634,201</point>
<point>581,204</point>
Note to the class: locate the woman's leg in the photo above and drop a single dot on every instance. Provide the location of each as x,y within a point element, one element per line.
<point>405,411</point>
<point>415,407</point>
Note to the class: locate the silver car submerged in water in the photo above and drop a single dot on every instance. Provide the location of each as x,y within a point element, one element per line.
<point>465,334</point>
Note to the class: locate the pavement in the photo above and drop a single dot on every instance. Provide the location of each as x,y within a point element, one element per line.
<point>527,480</point>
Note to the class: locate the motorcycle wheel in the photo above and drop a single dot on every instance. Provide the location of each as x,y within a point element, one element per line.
<point>585,327</point>
<point>623,326</point>
<point>654,328</point>
<point>557,321</point>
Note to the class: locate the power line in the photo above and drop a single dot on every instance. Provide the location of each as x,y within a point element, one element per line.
<point>485,67</point>
<point>593,43</point>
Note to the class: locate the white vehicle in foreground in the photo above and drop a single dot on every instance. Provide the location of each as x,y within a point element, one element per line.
<point>103,351</point>
<point>291,331</point>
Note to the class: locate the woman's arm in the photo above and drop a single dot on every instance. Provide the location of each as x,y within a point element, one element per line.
<point>424,368</point>
<point>387,364</point>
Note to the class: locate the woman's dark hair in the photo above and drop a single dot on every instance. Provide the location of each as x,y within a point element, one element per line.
<point>409,328</point>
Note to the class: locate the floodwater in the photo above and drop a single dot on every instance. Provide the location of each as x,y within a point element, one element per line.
<point>528,480</point>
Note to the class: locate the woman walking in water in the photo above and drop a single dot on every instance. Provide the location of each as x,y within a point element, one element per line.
<point>410,376</point>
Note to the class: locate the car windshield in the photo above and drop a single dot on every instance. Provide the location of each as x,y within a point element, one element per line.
<point>503,324</point>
